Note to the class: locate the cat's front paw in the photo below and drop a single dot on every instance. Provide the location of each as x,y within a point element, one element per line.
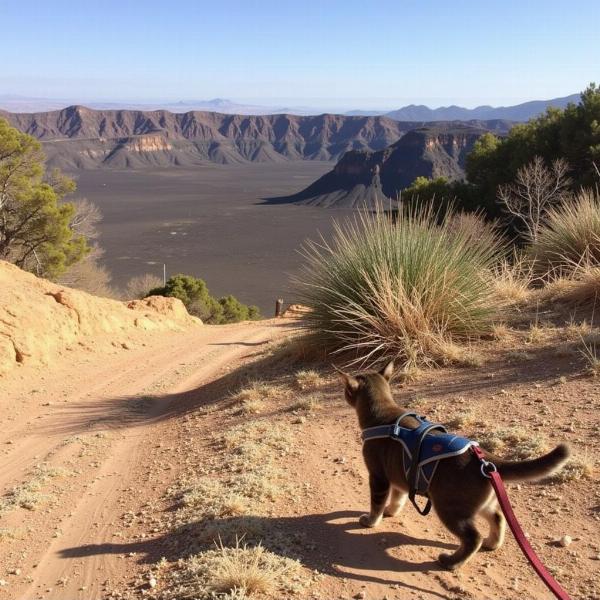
<point>365,521</point>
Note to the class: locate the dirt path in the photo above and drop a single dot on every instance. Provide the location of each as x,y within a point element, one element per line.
<point>75,449</point>
<point>95,446</point>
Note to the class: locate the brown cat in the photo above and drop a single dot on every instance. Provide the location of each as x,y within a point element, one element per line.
<point>458,491</point>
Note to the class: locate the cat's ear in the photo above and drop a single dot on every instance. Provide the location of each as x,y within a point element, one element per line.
<point>350,383</point>
<point>387,371</point>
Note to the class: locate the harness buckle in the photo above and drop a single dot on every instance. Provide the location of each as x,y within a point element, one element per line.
<point>487,468</point>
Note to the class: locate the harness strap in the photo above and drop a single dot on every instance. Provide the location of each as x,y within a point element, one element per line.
<point>413,473</point>
<point>489,470</point>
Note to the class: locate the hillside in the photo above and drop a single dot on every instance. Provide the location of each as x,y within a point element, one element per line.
<point>362,177</point>
<point>41,321</point>
<point>81,138</point>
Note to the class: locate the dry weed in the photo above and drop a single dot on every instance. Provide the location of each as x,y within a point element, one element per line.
<point>514,442</point>
<point>232,573</point>
<point>308,378</point>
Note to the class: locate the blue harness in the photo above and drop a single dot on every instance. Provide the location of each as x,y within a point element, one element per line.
<point>421,452</point>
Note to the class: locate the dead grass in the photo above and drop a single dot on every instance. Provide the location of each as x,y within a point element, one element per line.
<point>577,467</point>
<point>308,379</point>
<point>455,354</point>
<point>514,442</point>
<point>234,573</point>
<point>28,495</point>
<point>513,279</point>
<point>589,352</point>
<point>308,404</point>
<point>462,419</point>
<point>252,398</point>
<point>501,332</point>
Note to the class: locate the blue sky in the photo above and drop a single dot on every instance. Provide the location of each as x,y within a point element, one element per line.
<point>328,53</point>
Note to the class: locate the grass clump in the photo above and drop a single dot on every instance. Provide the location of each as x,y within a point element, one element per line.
<point>516,443</point>
<point>308,378</point>
<point>401,288</point>
<point>575,468</point>
<point>234,573</point>
<point>569,235</point>
<point>251,399</point>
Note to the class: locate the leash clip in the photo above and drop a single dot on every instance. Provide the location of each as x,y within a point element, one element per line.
<point>487,468</point>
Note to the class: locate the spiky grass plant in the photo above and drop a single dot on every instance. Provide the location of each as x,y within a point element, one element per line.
<point>569,236</point>
<point>402,287</point>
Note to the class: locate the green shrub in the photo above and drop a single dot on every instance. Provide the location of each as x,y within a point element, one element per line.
<point>193,292</point>
<point>402,288</point>
<point>569,236</point>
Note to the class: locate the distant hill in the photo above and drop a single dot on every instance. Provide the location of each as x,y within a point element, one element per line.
<point>519,112</point>
<point>362,177</point>
<point>82,138</point>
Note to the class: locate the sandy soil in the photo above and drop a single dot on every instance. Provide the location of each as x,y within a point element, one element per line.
<point>125,431</point>
<point>82,437</point>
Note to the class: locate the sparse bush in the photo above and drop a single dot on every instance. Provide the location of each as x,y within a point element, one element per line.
<point>402,288</point>
<point>234,574</point>
<point>515,443</point>
<point>569,237</point>
<point>139,287</point>
<point>193,292</point>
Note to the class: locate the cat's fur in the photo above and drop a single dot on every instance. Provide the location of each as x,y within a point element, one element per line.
<point>458,491</point>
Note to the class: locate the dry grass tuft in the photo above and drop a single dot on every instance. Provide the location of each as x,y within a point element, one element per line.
<point>252,398</point>
<point>576,468</point>
<point>589,352</point>
<point>309,404</point>
<point>514,442</point>
<point>502,332</point>
<point>462,419</point>
<point>453,354</point>
<point>28,495</point>
<point>402,288</point>
<point>569,235</point>
<point>580,287</point>
<point>513,279</point>
<point>308,378</point>
<point>234,574</point>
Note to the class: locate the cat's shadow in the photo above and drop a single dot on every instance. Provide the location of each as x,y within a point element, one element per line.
<point>331,543</point>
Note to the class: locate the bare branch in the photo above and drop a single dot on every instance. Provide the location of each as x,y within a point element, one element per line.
<point>536,188</point>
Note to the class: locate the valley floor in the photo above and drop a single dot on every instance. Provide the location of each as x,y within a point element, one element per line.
<point>103,457</point>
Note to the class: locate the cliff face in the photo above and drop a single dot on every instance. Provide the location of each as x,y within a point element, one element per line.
<point>361,178</point>
<point>79,137</point>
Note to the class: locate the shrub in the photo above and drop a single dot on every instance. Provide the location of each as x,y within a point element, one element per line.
<point>138,287</point>
<point>398,288</point>
<point>569,236</point>
<point>193,292</point>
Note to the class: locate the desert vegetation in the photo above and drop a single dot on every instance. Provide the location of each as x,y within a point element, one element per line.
<point>423,285</point>
<point>193,292</point>
<point>406,287</point>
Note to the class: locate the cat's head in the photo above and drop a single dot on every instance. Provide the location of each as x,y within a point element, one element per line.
<point>368,391</point>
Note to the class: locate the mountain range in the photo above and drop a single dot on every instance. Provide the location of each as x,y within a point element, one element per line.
<point>412,112</point>
<point>82,138</point>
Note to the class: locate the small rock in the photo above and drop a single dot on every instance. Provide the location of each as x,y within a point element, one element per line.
<point>3,582</point>
<point>14,572</point>
<point>360,595</point>
<point>565,540</point>
<point>152,582</point>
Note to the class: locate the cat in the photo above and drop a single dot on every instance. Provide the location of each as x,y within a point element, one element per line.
<point>458,490</point>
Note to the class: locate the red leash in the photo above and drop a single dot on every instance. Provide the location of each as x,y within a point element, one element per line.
<point>489,470</point>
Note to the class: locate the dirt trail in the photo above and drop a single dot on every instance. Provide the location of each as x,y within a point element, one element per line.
<point>78,440</point>
<point>94,446</point>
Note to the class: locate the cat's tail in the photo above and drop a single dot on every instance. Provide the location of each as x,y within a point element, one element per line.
<point>534,468</point>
